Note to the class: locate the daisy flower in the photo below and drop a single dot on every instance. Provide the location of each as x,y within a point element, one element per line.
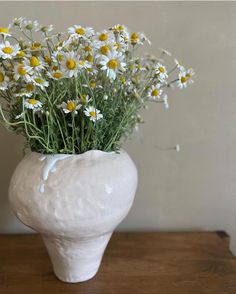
<point>45,29</point>
<point>83,64</point>
<point>34,64</point>
<point>33,104</point>
<point>138,38</point>
<point>81,32</point>
<point>71,106</point>
<point>26,91</point>
<point>30,25</point>
<point>155,92</point>
<point>7,51</point>
<point>104,37</point>
<point>93,113</point>
<point>161,71</point>
<point>84,99</point>
<point>185,78</point>
<point>39,82</point>
<point>21,72</point>
<point>179,64</point>
<point>70,64</point>
<point>112,63</point>
<point>3,79</point>
<point>17,22</point>
<point>5,31</point>
<point>56,74</point>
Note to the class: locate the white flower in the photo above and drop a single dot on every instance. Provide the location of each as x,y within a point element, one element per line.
<point>161,71</point>
<point>56,74</point>
<point>45,29</point>
<point>185,78</point>
<point>81,32</point>
<point>70,64</point>
<point>33,104</point>
<point>21,72</point>
<point>34,64</point>
<point>26,91</point>
<point>39,82</point>
<point>30,25</point>
<point>85,99</point>
<point>83,64</point>
<point>138,38</point>
<point>112,63</point>
<point>155,92</point>
<point>104,37</point>
<point>122,30</point>
<point>5,31</point>
<point>7,51</point>
<point>3,79</point>
<point>70,106</point>
<point>17,22</point>
<point>179,64</point>
<point>93,113</point>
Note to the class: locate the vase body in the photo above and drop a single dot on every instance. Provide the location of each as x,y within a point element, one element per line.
<point>75,202</point>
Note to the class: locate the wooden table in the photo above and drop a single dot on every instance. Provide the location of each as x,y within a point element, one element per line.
<point>158,263</point>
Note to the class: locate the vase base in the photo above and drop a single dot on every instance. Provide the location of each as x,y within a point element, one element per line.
<point>76,260</point>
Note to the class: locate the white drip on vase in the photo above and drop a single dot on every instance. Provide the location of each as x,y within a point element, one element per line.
<point>50,167</point>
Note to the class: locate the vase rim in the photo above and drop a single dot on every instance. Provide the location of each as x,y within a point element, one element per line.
<point>92,151</point>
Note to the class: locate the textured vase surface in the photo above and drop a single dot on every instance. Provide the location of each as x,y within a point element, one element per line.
<point>75,202</point>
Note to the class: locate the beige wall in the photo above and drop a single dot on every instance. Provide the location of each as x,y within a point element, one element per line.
<point>193,189</point>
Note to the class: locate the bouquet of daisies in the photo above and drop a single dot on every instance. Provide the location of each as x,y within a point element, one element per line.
<point>81,90</point>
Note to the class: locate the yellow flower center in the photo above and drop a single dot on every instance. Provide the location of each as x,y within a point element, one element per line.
<point>112,64</point>
<point>21,70</point>
<point>183,80</point>
<point>29,87</point>
<point>89,58</point>
<point>60,57</point>
<point>93,114</point>
<point>21,54</point>
<point>55,68</point>
<point>155,92</point>
<point>161,69</point>
<point>123,80</point>
<point>82,62</point>
<point>71,64</point>
<point>48,60</point>
<point>35,46</point>
<point>103,37</point>
<point>83,99</point>
<point>71,106</point>
<point>105,49</point>
<point>32,101</point>
<point>92,84</point>
<point>87,48</point>
<point>120,28</point>
<point>2,77</point>
<point>57,75</point>
<point>34,62</point>
<point>188,75</point>
<point>117,45</point>
<point>4,30</point>
<point>7,50</point>
<point>80,31</point>
<point>134,38</point>
<point>38,81</point>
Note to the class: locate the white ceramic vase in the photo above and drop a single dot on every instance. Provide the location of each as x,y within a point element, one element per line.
<point>75,202</point>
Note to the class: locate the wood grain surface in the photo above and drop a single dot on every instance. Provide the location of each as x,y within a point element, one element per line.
<point>139,263</point>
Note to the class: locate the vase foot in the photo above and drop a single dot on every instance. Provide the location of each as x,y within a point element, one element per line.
<point>76,260</point>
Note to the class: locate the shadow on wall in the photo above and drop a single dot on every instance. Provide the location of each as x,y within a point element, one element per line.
<point>8,222</point>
